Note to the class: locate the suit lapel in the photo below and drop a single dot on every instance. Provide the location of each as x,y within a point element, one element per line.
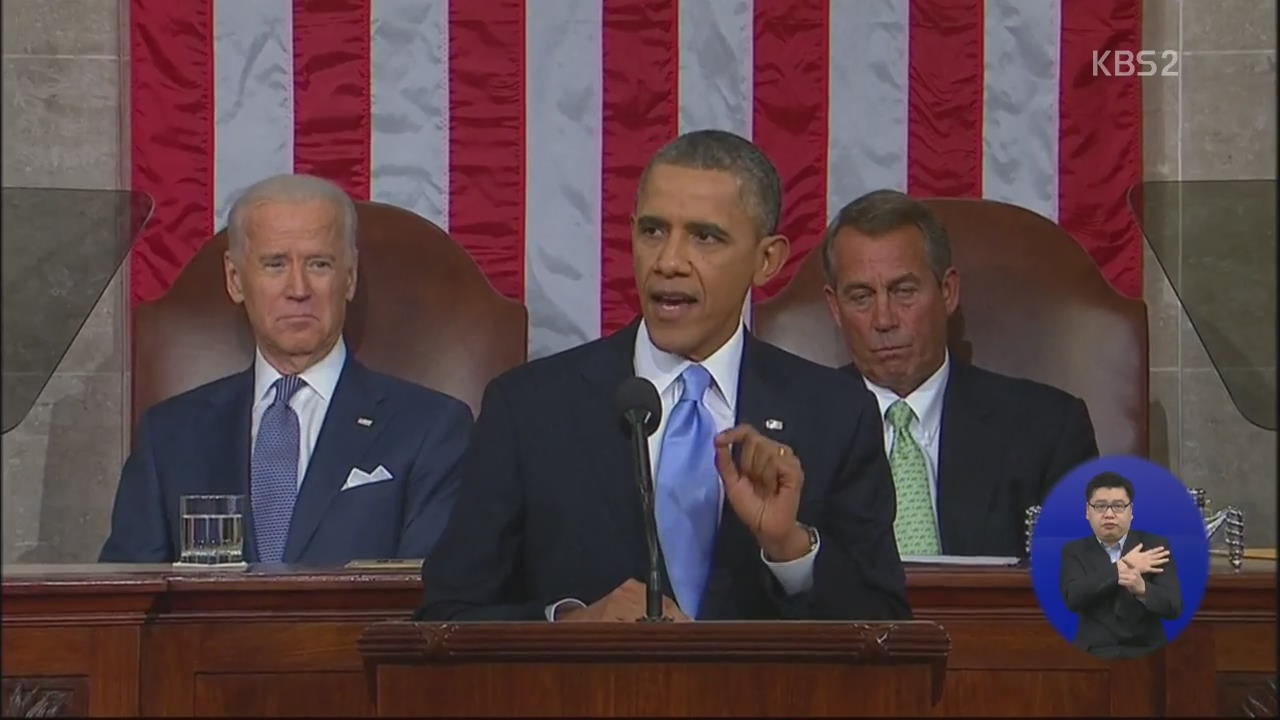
<point>1097,555</point>
<point>760,399</point>
<point>970,460</point>
<point>340,446</point>
<point>611,362</point>
<point>1132,539</point>
<point>226,467</point>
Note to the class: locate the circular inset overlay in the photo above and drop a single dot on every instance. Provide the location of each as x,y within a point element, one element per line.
<point>1161,505</point>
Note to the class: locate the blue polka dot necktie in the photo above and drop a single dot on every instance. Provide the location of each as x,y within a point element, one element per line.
<point>687,502</point>
<point>274,471</point>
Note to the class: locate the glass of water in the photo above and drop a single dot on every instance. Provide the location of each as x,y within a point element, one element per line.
<point>212,529</point>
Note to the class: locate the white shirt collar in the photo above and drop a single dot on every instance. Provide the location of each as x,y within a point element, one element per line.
<point>925,401</point>
<point>662,368</point>
<point>1118,544</point>
<point>321,377</point>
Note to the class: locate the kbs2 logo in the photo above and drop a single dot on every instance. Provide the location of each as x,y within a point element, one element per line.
<point>1126,63</point>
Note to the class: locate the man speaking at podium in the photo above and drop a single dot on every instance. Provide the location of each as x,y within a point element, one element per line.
<point>773,496</point>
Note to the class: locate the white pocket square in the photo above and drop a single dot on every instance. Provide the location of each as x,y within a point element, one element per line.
<point>358,477</point>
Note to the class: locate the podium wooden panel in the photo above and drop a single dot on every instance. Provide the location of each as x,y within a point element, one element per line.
<point>125,640</point>
<point>723,669</point>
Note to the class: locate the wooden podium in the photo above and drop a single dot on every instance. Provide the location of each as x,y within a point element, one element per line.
<point>724,669</point>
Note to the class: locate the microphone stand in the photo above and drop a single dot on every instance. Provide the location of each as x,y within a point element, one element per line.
<point>644,479</point>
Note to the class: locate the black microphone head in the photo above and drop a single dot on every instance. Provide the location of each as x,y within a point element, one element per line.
<point>637,401</point>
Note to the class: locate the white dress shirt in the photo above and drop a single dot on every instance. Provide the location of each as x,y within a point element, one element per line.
<point>663,369</point>
<point>1113,551</point>
<point>310,402</point>
<point>926,401</point>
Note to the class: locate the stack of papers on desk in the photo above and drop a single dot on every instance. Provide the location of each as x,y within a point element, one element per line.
<point>984,560</point>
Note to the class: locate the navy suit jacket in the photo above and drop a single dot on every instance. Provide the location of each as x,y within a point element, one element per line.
<point>549,509</point>
<point>1005,442</point>
<point>198,443</point>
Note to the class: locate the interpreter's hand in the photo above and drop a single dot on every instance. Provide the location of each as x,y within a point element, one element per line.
<point>763,489</point>
<point>1130,579</point>
<point>624,603</point>
<point>1146,561</point>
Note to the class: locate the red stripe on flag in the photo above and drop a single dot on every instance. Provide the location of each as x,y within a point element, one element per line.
<point>944,98</point>
<point>789,121</point>
<point>486,138</point>
<point>171,127</point>
<point>331,114</point>
<point>1100,144</point>
<point>639,107</point>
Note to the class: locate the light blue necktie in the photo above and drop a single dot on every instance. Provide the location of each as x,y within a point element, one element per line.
<point>688,492</point>
<point>274,471</point>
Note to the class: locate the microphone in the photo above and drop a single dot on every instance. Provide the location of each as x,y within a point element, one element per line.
<point>640,410</point>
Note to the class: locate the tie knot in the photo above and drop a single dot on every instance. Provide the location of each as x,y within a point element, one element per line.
<point>696,381</point>
<point>286,386</point>
<point>900,415</point>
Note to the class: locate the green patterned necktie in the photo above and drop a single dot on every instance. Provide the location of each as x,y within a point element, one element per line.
<point>913,527</point>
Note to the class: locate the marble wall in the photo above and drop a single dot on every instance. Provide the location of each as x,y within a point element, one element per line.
<point>1215,121</point>
<point>62,108</point>
<point>63,100</point>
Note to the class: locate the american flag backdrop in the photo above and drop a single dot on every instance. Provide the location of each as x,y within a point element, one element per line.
<point>522,127</point>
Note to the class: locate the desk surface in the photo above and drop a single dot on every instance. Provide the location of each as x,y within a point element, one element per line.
<point>46,578</point>
<point>274,639</point>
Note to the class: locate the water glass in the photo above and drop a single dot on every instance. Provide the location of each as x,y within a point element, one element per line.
<point>212,529</point>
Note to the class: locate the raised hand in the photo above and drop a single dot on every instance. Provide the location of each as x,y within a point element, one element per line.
<point>1146,561</point>
<point>763,489</point>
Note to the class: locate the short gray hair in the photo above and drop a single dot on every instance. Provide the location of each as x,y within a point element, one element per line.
<point>721,150</point>
<point>291,188</point>
<point>883,211</point>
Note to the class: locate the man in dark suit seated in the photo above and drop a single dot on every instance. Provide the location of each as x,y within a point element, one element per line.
<point>338,462</point>
<point>1120,581</point>
<point>794,522</point>
<point>979,448</point>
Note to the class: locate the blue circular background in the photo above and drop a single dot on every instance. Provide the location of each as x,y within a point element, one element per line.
<point>1161,505</point>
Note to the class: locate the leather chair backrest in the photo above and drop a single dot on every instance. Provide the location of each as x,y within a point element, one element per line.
<point>1033,304</point>
<point>423,311</point>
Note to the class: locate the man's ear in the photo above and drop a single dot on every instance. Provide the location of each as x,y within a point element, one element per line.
<point>235,287</point>
<point>833,303</point>
<point>951,289</point>
<point>773,252</point>
<point>352,275</point>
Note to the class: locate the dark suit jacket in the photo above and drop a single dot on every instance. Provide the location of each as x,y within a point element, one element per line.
<point>549,509</point>
<point>1004,443</point>
<point>198,442</point>
<point>1114,623</point>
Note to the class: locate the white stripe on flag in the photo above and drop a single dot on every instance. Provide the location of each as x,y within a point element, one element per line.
<point>563,137</point>
<point>867,120</point>
<point>1020,102</point>
<point>253,96</point>
<point>716,71</point>
<point>868,95</point>
<point>409,78</point>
